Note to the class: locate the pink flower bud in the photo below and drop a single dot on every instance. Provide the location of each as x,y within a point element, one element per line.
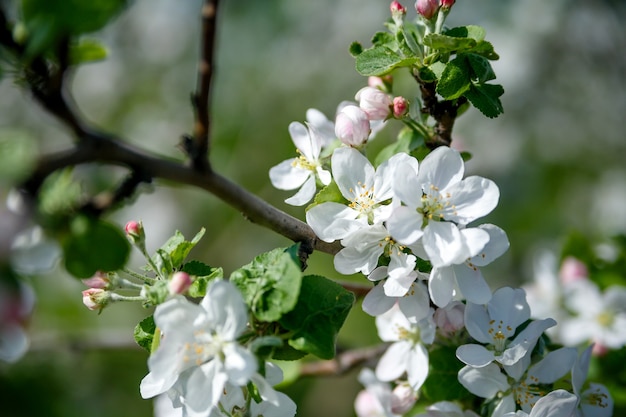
<point>599,350</point>
<point>134,232</point>
<point>573,270</point>
<point>400,107</point>
<point>367,405</point>
<point>450,318</point>
<point>403,398</point>
<point>398,12</point>
<point>99,280</point>
<point>427,8</point>
<point>447,4</point>
<point>180,283</point>
<point>96,298</point>
<point>352,126</point>
<point>375,82</point>
<point>374,102</point>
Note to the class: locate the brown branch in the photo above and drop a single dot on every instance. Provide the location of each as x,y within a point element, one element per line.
<point>343,362</point>
<point>201,99</point>
<point>103,148</point>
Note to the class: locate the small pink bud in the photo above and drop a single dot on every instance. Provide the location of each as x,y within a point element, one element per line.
<point>400,107</point>
<point>599,350</point>
<point>96,298</point>
<point>398,12</point>
<point>403,399</point>
<point>366,405</point>
<point>573,270</point>
<point>450,318</point>
<point>99,280</point>
<point>352,126</point>
<point>374,102</point>
<point>134,232</point>
<point>375,82</point>
<point>180,283</point>
<point>447,4</point>
<point>427,8</point>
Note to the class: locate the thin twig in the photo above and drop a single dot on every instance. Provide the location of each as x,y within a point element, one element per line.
<point>343,362</point>
<point>201,98</point>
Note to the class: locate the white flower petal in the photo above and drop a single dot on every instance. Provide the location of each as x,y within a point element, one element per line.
<point>352,171</point>
<point>417,366</point>
<point>305,194</point>
<point>474,355</point>
<point>300,136</point>
<point>406,185</point>
<point>441,285</point>
<point>559,403</point>
<point>441,168</point>
<point>471,199</point>
<point>443,243</point>
<point>472,284</point>
<point>225,309</point>
<point>331,221</point>
<point>405,225</point>
<point>394,361</point>
<point>484,382</point>
<point>497,245</point>
<point>376,302</point>
<point>286,176</point>
<point>239,364</point>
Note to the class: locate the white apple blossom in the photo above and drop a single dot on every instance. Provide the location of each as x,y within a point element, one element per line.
<point>301,172</point>
<point>558,403</point>
<point>408,353</point>
<point>438,203</point>
<point>600,316</point>
<point>324,128</point>
<point>198,353</point>
<point>522,386</point>
<point>414,304</point>
<point>464,280</point>
<point>596,400</point>
<point>367,190</point>
<point>495,325</point>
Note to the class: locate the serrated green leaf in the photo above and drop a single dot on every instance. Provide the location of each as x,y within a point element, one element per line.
<point>94,245</point>
<point>484,48</point>
<point>381,60</point>
<point>329,193</point>
<point>144,333</point>
<point>382,39</point>
<point>480,67</point>
<point>443,43</point>
<point>427,75</point>
<point>442,383</point>
<point>485,98</point>
<point>270,284</point>
<point>474,32</point>
<point>172,254</point>
<point>455,79</point>
<point>318,316</point>
<point>156,294</point>
<point>87,50</point>
<point>18,154</point>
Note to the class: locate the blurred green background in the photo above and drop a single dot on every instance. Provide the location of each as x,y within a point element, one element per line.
<point>558,155</point>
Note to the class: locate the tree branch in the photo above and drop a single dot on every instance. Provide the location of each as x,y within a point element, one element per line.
<point>201,99</point>
<point>343,362</point>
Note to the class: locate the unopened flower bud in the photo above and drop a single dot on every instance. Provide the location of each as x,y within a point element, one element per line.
<point>450,318</point>
<point>374,102</point>
<point>100,280</point>
<point>134,232</point>
<point>403,398</point>
<point>367,405</point>
<point>447,4</point>
<point>599,350</point>
<point>400,107</point>
<point>573,270</point>
<point>427,8</point>
<point>96,298</point>
<point>352,126</point>
<point>398,12</point>
<point>179,284</point>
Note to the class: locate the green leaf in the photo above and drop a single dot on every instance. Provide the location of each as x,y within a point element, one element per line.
<point>270,284</point>
<point>263,346</point>
<point>442,383</point>
<point>474,32</point>
<point>484,48</point>
<point>202,274</point>
<point>172,254</point>
<point>321,310</point>
<point>383,39</point>
<point>443,43</point>
<point>455,79</point>
<point>144,333</point>
<point>87,50</point>
<point>355,48</point>
<point>381,60</point>
<point>330,193</point>
<point>426,74</point>
<point>486,98</point>
<point>60,193</point>
<point>480,67</point>
<point>18,154</point>
<point>156,293</point>
<point>94,245</point>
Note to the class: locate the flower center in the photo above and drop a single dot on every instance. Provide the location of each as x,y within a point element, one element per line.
<point>434,203</point>
<point>303,163</point>
<point>526,392</point>
<point>597,399</point>
<point>605,319</point>
<point>364,200</point>
<point>412,335</point>
<point>497,335</point>
<point>202,349</point>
